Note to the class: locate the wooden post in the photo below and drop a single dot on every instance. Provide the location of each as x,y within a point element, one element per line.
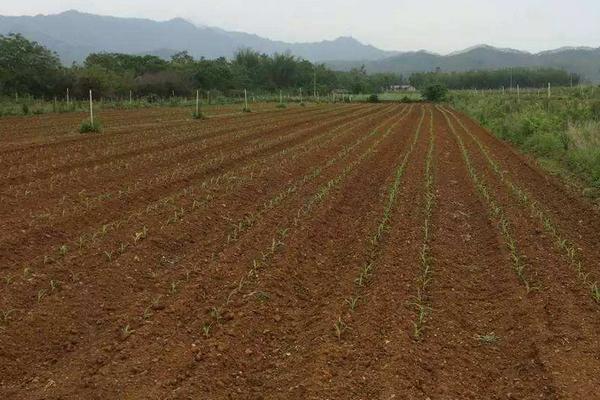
<point>91,109</point>
<point>246,99</point>
<point>68,99</point>
<point>130,97</point>
<point>548,89</point>
<point>300,95</point>
<point>518,93</point>
<point>197,103</point>
<point>208,96</point>
<point>280,96</point>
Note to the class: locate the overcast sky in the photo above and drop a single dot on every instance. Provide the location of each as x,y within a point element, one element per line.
<point>436,25</point>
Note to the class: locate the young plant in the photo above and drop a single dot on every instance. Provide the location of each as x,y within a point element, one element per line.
<point>490,338</point>
<point>90,127</point>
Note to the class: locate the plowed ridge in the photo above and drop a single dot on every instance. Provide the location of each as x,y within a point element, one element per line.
<point>333,251</point>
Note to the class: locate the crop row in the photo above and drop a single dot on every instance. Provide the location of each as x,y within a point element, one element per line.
<point>142,232</point>
<point>566,246</point>
<point>180,174</point>
<point>113,167</point>
<point>496,211</point>
<point>365,273</point>
<point>263,258</point>
<point>426,261</point>
<point>154,135</point>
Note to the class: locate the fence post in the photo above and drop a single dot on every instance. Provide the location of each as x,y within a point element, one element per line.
<point>91,109</point>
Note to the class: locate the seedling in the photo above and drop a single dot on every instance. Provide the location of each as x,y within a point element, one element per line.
<point>40,295</point>
<point>262,297</point>
<point>140,235</point>
<point>352,303</point>
<point>126,331</point>
<point>340,327</point>
<point>490,338</point>
<point>595,292</point>
<point>206,329</point>
<point>63,250</point>
<point>173,287</point>
<point>5,315</point>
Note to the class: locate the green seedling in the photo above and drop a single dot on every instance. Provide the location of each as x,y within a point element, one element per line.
<point>490,338</point>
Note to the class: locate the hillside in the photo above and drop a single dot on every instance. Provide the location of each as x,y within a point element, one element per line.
<point>73,35</point>
<point>584,61</point>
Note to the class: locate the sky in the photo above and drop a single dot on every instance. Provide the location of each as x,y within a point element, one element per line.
<point>435,25</point>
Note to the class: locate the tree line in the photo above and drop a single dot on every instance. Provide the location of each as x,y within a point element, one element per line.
<point>28,68</point>
<point>496,79</point>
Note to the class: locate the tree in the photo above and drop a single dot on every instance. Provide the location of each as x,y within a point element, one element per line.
<point>435,92</point>
<point>27,67</point>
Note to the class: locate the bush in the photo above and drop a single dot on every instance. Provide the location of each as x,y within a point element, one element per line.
<point>25,109</point>
<point>435,92</point>
<point>198,115</point>
<point>281,105</point>
<point>89,127</point>
<point>373,98</point>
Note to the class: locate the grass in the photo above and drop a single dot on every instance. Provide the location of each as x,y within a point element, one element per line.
<point>198,115</point>
<point>90,127</point>
<point>563,132</point>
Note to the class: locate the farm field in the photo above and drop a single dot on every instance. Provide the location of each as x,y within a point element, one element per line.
<point>349,251</point>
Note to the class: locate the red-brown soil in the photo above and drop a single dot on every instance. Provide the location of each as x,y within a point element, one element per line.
<point>168,258</point>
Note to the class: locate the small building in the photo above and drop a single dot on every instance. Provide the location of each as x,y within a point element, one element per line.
<point>402,88</point>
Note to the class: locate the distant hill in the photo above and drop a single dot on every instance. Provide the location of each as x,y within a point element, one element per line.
<point>582,60</point>
<point>73,35</point>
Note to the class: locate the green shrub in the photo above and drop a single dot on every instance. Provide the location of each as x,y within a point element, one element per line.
<point>198,115</point>
<point>373,98</point>
<point>89,127</point>
<point>435,92</point>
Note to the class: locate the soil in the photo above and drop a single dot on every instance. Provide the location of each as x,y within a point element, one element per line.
<point>168,258</point>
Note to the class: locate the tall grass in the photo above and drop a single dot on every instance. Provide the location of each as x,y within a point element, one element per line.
<point>563,132</point>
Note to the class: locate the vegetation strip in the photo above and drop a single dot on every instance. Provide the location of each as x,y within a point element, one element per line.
<point>366,272</point>
<point>568,248</point>
<point>496,210</point>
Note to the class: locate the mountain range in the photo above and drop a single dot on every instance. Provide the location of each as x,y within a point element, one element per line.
<point>73,35</point>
